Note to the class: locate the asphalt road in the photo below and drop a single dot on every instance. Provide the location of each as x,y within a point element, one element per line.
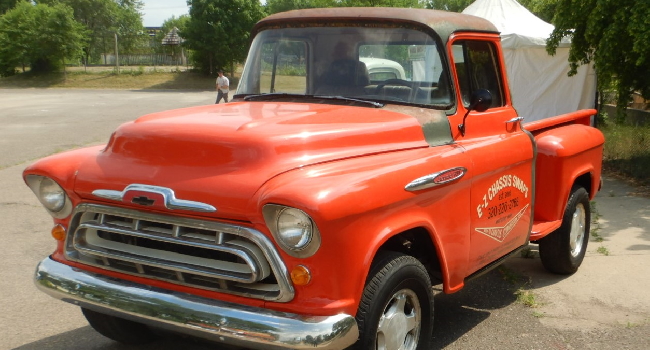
<point>605,305</point>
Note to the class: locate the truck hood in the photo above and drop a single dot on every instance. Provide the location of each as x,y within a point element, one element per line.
<point>221,154</point>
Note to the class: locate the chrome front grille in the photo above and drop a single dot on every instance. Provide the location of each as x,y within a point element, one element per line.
<point>197,253</point>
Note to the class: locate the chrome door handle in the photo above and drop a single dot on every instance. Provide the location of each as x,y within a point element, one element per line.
<point>514,120</point>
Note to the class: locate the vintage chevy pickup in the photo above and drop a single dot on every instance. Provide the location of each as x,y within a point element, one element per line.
<point>318,208</point>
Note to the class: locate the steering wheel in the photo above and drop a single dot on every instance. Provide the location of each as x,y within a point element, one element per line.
<point>400,82</point>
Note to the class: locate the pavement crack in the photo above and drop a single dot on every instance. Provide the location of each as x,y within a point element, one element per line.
<point>9,204</point>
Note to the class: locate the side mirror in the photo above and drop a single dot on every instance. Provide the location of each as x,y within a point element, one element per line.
<point>480,101</point>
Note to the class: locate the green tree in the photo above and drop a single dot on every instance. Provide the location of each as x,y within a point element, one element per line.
<point>275,6</point>
<point>544,9</point>
<point>614,35</point>
<point>129,26</point>
<point>40,36</point>
<point>382,3</point>
<point>169,24</point>
<point>6,5</point>
<point>218,31</point>
<point>448,5</point>
<point>174,22</point>
<point>105,18</point>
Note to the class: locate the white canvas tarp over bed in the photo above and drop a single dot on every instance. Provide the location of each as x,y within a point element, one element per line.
<point>539,83</point>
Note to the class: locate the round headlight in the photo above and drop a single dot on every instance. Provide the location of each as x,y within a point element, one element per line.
<point>295,228</point>
<point>51,195</point>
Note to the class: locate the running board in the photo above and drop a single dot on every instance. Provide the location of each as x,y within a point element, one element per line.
<point>495,263</point>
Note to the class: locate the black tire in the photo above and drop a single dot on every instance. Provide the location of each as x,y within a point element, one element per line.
<point>397,298</point>
<point>119,329</point>
<point>563,250</point>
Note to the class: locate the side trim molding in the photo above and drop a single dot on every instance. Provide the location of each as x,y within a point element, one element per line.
<point>436,179</point>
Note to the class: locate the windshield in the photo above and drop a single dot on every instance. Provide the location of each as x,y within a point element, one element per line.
<point>386,64</point>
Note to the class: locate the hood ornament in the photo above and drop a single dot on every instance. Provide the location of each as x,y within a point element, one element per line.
<point>154,197</point>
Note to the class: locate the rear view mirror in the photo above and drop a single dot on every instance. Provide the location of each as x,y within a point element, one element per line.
<point>480,101</point>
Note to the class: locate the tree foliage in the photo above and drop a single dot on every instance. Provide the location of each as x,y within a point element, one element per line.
<point>544,9</point>
<point>614,35</point>
<point>174,22</point>
<point>129,25</point>
<point>169,24</point>
<point>105,18</point>
<point>6,5</point>
<point>448,5</point>
<point>275,6</point>
<point>382,3</point>
<point>40,36</point>
<point>218,31</point>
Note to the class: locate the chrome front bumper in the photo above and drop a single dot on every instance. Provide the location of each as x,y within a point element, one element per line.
<point>198,316</point>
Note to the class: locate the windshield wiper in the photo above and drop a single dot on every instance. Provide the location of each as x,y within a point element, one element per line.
<point>275,96</point>
<point>343,98</point>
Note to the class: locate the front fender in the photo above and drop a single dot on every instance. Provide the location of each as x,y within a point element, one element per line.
<point>358,204</point>
<point>62,168</point>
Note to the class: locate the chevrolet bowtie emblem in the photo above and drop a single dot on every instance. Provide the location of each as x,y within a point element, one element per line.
<point>142,200</point>
<point>154,197</point>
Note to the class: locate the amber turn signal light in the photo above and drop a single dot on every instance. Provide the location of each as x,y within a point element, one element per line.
<point>58,232</point>
<point>300,276</point>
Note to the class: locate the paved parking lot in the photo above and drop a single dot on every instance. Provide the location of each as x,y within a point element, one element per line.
<point>605,305</point>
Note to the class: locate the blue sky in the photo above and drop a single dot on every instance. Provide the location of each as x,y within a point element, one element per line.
<point>155,12</point>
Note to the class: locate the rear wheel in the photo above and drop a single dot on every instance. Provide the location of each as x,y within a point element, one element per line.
<point>396,310</point>
<point>563,250</point>
<point>119,329</point>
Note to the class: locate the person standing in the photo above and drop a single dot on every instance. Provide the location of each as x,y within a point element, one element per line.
<point>222,87</point>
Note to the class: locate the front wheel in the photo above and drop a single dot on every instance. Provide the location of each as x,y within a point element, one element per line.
<point>563,250</point>
<point>396,310</point>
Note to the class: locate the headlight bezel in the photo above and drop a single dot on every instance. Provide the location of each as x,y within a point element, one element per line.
<point>308,242</point>
<point>45,188</point>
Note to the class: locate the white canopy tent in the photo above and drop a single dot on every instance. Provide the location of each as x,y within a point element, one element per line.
<point>539,84</point>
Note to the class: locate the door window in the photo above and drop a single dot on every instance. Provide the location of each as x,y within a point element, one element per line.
<point>477,66</point>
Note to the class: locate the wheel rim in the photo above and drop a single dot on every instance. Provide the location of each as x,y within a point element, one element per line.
<point>577,230</point>
<point>399,325</point>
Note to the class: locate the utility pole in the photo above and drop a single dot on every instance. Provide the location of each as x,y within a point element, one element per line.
<point>117,56</point>
<point>152,42</point>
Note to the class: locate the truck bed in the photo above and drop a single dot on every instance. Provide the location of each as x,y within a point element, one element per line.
<point>566,148</point>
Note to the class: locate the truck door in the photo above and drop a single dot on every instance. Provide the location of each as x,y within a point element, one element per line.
<point>501,153</point>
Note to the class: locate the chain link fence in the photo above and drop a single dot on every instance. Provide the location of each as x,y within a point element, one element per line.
<point>147,60</point>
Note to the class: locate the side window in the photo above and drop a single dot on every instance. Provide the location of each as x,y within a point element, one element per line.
<point>283,67</point>
<point>477,65</point>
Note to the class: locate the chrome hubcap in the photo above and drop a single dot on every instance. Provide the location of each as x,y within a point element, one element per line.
<point>399,326</point>
<point>577,230</point>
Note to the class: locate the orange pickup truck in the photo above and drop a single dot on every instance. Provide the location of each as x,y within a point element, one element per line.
<point>318,208</point>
